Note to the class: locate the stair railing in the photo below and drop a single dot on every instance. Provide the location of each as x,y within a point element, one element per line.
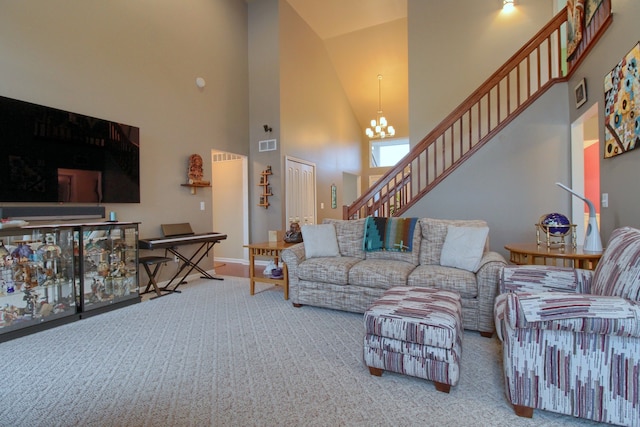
<point>526,76</point>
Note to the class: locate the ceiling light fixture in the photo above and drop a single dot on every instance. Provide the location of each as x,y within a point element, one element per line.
<point>507,5</point>
<point>379,127</point>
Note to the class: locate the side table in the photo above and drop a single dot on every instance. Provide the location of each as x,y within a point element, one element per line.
<point>267,250</point>
<point>531,253</point>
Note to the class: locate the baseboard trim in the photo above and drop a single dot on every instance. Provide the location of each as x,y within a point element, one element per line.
<point>232,261</point>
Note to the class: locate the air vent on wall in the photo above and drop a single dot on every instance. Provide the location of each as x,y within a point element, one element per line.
<point>267,145</point>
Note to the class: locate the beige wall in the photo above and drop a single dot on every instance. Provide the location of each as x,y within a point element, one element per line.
<point>510,181</point>
<point>318,123</point>
<point>295,89</point>
<point>364,47</point>
<point>264,108</point>
<point>136,62</point>
<point>454,46</point>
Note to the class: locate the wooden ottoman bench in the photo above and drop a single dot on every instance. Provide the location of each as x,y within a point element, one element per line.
<point>417,332</point>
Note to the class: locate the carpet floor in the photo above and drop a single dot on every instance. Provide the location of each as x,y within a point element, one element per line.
<point>216,356</point>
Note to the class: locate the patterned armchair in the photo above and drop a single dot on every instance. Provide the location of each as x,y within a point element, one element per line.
<point>571,337</point>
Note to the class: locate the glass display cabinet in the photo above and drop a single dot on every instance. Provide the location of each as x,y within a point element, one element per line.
<point>37,280</point>
<point>108,266</point>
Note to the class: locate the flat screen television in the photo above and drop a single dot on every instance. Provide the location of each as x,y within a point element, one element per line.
<point>51,155</point>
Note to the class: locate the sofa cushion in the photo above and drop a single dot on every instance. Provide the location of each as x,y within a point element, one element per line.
<point>434,232</point>
<point>412,257</point>
<point>380,273</point>
<point>618,271</point>
<point>320,240</point>
<point>350,234</point>
<point>452,279</point>
<point>463,247</point>
<point>327,270</point>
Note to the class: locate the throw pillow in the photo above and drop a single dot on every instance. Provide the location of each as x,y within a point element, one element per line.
<point>320,240</point>
<point>463,247</point>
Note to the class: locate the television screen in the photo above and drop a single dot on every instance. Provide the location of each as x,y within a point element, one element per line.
<point>51,155</point>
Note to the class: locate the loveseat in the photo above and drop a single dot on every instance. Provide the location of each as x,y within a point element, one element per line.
<point>351,278</point>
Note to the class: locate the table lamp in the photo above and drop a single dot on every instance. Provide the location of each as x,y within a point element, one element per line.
<point>592,242</point>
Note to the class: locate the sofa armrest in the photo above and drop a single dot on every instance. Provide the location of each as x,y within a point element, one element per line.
<point>545,278</point>
<point>487,279</point>
<point>594,314</point>
<point>293,256</point>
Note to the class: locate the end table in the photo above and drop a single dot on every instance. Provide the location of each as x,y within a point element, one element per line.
<point>268,250</point>
<point>531,253</point>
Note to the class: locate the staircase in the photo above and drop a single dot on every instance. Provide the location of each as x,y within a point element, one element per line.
<point>526,76</point>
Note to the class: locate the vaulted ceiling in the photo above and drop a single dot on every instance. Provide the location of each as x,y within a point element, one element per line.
<point>365,38</point>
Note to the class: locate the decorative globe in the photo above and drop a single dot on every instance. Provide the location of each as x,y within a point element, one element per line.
<point>555,224</point>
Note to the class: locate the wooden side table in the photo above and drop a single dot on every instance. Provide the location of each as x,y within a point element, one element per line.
<point>531,253</point>
<point>268,250</point>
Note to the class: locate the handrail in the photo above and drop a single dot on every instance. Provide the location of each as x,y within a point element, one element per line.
<point>524,77</point>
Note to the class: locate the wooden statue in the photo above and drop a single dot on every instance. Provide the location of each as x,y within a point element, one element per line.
<point>195,173</point>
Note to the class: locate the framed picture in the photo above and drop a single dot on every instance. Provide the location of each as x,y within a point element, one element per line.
<point>581,93</point>
<point>334,196</point>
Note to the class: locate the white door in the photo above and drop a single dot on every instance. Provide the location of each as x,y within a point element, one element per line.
<point>300,187</point>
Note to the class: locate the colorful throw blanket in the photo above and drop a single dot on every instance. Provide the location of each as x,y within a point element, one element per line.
<point>389,234</point>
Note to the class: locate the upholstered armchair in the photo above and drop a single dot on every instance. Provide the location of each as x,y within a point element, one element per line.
<point>571,337</point>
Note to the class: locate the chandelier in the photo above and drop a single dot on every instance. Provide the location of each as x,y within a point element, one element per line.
<point>379,127</point>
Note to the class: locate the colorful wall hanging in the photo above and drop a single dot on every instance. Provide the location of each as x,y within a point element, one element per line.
<point>622,106</point>
<point>575,23</point>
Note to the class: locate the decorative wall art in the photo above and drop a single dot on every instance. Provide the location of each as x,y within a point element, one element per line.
<point>581,93</point>
<point>334,196</point>
<point>590,8</point>
<point>579,15</point>
<point>622,109</point>
<point>575,23</point>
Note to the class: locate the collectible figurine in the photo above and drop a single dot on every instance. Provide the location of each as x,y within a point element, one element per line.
<point>196,174</point>
<point>294,235</point>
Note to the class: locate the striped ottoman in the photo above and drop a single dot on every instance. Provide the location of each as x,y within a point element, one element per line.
<point>415,331</point>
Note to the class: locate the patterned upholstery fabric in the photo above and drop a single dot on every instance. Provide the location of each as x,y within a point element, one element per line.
<point>328,269</point>
<point>571,338</point>
<point>382,273</point>
<point>549,278</point>
<point>350,235</point>
<point>417,332</point>
<point>622,261</point>
<point>452,279</point>
<point>356,281</point>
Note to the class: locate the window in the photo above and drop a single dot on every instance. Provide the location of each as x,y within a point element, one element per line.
<point>387,152</point>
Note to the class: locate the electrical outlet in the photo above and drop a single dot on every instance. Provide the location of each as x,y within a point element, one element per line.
<point>605,200</point>
<point>201,206</point>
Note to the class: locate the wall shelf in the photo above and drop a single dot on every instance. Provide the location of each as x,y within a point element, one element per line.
<point>194,187</point>
<point>266,188</point>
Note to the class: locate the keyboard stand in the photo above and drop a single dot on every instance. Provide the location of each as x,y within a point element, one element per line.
<point>202,251</point>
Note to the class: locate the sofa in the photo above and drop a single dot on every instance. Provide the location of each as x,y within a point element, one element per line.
<point>571,337</point>
<point>350,278</point>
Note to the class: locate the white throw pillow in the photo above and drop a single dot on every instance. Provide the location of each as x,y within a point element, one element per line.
<point>320,240</point>
<point>463,247</point>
